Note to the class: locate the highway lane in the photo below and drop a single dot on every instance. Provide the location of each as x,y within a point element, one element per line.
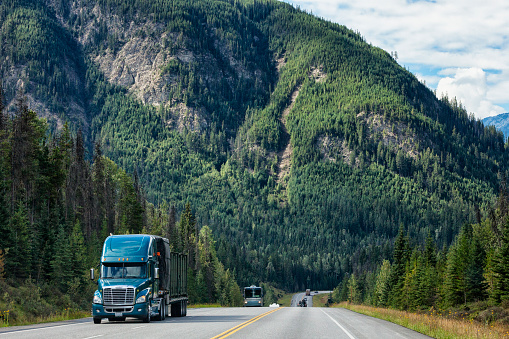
<point>321,322</point>
<point>219,323</point>
<point>309,299</point>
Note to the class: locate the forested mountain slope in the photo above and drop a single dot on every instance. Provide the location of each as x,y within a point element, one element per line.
<point>302,146</point>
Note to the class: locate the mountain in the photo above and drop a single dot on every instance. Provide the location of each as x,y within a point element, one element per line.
<point>501,123</point>
<point>302,147</point>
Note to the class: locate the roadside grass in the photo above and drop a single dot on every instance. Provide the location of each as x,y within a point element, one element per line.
<point>285,299</point>
<point>66,314</point>
<point>203,305</point>
<point>434,324</point>
<point>320,300</point>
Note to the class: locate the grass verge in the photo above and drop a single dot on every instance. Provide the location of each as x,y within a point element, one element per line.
<point>285,299</point>
<point>433,324</point>
<point>67,314</point>
<point>203,305</point>
<point>320,300</point>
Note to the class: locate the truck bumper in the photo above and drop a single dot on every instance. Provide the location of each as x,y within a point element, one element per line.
<point>253,303</point>
<point>111,312</point>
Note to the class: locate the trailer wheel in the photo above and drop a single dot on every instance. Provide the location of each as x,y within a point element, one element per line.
<point>97,320</point>
<point>184,302</point>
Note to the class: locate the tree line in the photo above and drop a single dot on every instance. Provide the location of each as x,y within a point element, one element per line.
<point>58,205</point>
<point>474,268</point>
<point>331,216</point>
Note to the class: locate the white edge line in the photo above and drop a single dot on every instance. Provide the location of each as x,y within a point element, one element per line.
<point>95,336</point>
<point>38,329</point>
<point>341,327</point>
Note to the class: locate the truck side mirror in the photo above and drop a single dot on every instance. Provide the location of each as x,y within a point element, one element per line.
<point>91,274</point>
<point>156,273</point>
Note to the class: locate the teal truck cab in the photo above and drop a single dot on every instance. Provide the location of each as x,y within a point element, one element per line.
<point>140,278</point>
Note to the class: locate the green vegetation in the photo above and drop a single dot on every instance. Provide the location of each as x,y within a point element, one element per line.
<point>53,64</point>
<point>56,211</point>
<point>434,324</point>
<point>288,231</point>
<point>468,279</point>
<point>383,174</point>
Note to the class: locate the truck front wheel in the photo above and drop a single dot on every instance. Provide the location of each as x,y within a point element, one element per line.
<point>147,318</point>
<point>97,320</point>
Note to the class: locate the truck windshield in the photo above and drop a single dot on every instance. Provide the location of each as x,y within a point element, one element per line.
<point>252,293</point>
<point>124,270</point>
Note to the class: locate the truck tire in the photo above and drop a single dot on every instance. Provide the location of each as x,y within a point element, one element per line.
<point>147,318</point>
<point>185,308</point>
<point>162,311</point>
<point>97,320</point>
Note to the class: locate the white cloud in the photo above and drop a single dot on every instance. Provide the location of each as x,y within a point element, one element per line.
<point>468,86</point>
<point>436,34</point>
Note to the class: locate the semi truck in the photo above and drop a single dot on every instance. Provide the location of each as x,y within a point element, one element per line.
<point>139,277</point>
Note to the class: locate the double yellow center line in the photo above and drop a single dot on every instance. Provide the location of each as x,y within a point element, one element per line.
<point>244,324</point>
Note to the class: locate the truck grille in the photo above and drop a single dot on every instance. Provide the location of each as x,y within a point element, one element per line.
<point>118,295</point>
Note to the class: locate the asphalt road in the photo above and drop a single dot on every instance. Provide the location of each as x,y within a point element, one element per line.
<point>309,299</point>
<point>218,323</point>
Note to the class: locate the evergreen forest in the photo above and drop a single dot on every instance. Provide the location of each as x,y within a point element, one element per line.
<point>273,146</point>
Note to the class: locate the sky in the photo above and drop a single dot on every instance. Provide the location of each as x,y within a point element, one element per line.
<point>457,47</point>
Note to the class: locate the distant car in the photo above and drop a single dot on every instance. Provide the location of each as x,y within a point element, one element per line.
<point>316,292</point>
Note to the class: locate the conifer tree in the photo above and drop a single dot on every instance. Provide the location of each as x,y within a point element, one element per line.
<point>501,268</point>
<point>458,260</point>
<point>61,263</point>
<point>382,287</point>
<point>397,278</point>
<point>354,293</point>
<point>171,229</point>
<point>17,261</point>
<point>477,286</point>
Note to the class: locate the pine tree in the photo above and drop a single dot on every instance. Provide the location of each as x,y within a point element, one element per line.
<point>477,286</point>
<point>188,234</point>
<point>398,270</point>
<point>17,261</point>
<point>61,263</point>
<point>171,229</point>
<point>501,268</point>
<point>458,260</point>
<point>382,287</point>
<point>77,247</point>
<point>354,293</point>
<point>98,175</point>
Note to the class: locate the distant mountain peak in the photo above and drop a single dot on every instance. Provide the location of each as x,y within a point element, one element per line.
<point>501,122</point>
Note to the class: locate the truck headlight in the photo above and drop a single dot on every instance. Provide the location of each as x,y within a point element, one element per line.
<point>143,296</point>
<point>97,298</point>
